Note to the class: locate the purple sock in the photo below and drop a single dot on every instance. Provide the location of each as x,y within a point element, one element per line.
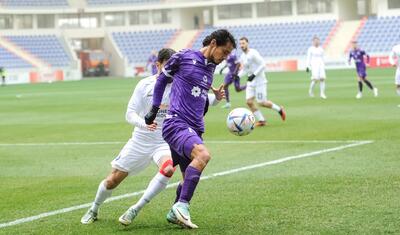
<point>178,192</point>
<point>227,95</point>
<point>192,177</point>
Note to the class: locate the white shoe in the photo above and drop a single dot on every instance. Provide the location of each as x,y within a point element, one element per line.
<point>226,106</point>
<point>128,216</point>
<point>375,92</point>
<point>181,212</point>
<point>323,96</point>
<point>359,95</point>
<point>89,217</point>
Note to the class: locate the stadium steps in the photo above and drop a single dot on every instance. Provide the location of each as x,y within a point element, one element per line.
<point>183,39</point>
<point>340,40</point>
<point>23,54</point>
<point>356,33</point>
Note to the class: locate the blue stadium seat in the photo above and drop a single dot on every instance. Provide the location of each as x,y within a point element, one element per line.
<point>135,47</point>
<point>279,39</point>
<point>380,34</point>
<point>45,47</point>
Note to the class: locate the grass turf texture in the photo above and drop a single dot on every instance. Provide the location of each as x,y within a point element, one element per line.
<point>354,190</point>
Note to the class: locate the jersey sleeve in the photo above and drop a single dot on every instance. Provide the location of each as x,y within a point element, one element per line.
<point>165,77</point>
<point>258,60</point>
<point>134,106</point>
<point>309,57</point>
<point>392,57</point>
<point>366,55</point>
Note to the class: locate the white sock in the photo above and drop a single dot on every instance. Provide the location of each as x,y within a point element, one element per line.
<point>259,115</point>
<point>312,84</point>
<point>276,107</point>
<point>156,185</point>
<point>322,87</point>
<point>102,194</point>
<point>398,90</point>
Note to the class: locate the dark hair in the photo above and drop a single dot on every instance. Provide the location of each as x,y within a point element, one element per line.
<point>164,54</point>
<point>222,36</point>
<point>244,38</point>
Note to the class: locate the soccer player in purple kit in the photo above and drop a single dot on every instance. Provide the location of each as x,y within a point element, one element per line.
<point>191,73</point>
<point>232,62</point>
<point>358,56</point>
<point>152,61</point>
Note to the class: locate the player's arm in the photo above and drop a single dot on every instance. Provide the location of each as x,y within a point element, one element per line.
<point>309,56</point>
<point>366,55</point>
<point>392,57</point>
<point>165,77</point>
<point>258,60</point>
<point>134,106</point>
<point>350,57</point>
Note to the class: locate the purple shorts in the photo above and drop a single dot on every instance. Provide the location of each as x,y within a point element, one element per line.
<point>362,72</point>
<point>229,78</point>
<point>180,136</point>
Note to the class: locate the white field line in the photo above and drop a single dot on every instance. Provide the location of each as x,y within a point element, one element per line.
<point>222,173</point>
<point>207,142</point>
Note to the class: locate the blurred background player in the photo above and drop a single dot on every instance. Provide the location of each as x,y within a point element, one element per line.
<point>358,56</point>
<point>3,76</point>
<point>232,62</point>
<point>315,62</point>
<point>152,62</point>
<point>394,60</point>
<point>146,144</point>
<point>191,73</point>
<point>254,66</point>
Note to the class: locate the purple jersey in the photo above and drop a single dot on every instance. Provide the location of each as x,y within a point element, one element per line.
<point>232,62</point>
<point>152,61</point>
<point>358,56</point>
<point>192,76</point>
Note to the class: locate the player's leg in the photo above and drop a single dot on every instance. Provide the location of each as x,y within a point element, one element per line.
<point>261,98</point>
<point>104,191</point>
<point>200,157</point>
<point>312,85</point>
<point>363,77</point>
<point>227,83</point>
<point>250,101</point>
<point>322,79</point>
<point>236,82</point>
<point>162,157</point>
<point>360,87</point>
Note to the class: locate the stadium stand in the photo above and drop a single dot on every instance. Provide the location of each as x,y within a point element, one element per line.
<point>379,34</point>
<point>135,45</point>
<point>45,47</point>
<point>10,61</point>
<point>120,2</point>
<point>278,39</point>
<point>34,3</point>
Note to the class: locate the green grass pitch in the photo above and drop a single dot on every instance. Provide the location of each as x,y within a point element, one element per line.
<point>349,191</point>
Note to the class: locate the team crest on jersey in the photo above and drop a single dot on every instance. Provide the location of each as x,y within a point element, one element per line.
<point>194,61</point>
<point>205,78</point>
<point>196,91</point>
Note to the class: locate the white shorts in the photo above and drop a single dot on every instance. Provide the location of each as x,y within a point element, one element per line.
<point>136,156</point>
<point>318,72</point>
<point>397,79</point>
<point>257,91</point>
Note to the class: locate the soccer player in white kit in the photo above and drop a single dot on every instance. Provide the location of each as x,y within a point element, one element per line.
<point>254,66</point>
<point>315,62</point>
<point>394,60</point>
<point>146,145</point>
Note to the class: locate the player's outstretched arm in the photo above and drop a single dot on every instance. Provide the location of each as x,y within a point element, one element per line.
<point>165,77</point>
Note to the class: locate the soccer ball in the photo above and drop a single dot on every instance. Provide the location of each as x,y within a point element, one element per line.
<point>240,121</point>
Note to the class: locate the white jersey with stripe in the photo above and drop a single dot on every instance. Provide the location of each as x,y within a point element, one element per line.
<point>253,63</point>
